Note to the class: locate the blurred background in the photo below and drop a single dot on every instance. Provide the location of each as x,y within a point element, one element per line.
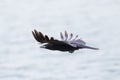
<point>95,21</point>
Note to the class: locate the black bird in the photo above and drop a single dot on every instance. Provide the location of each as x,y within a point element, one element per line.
<point>66,43</point>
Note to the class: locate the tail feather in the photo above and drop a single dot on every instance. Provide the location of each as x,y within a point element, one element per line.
<point>88,47</point>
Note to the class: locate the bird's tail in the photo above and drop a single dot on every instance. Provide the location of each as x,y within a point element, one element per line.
<point>88,47</point>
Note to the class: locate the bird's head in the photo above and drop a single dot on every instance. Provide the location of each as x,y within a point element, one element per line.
<point>44,45</point>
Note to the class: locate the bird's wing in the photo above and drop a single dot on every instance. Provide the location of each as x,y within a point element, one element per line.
<point>76,43</point>
<point>70,40</point>
<point>45,39</point>
<point>41,38</point>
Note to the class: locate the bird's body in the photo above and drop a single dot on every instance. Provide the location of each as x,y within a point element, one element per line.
<point>61,46</point>
<point>64,44</point>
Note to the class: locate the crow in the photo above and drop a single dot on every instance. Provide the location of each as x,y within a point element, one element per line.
<point>66,43</point>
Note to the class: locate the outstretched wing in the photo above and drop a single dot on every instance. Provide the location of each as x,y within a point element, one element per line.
<point>75,42</point>
<point>41,38</point>
<point>45,39</point>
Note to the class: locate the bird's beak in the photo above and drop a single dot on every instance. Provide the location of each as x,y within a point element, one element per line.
<point>42,46</point>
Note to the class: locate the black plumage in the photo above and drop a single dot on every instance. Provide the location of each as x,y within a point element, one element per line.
<point>66,43</point>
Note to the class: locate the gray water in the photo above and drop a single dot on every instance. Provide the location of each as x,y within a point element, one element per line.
<point>96,21</point>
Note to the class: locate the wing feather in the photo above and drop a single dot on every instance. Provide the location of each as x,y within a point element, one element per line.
<point>61,35</point>
<point>36,36</point>
<point>76,43</point>
<point>66,35</point>
<point>71,36</point>
<point>72,42</point>
<point>75,37</point>
<point>51,39</point>
<point>45,39</point>
<point>41,38</point>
